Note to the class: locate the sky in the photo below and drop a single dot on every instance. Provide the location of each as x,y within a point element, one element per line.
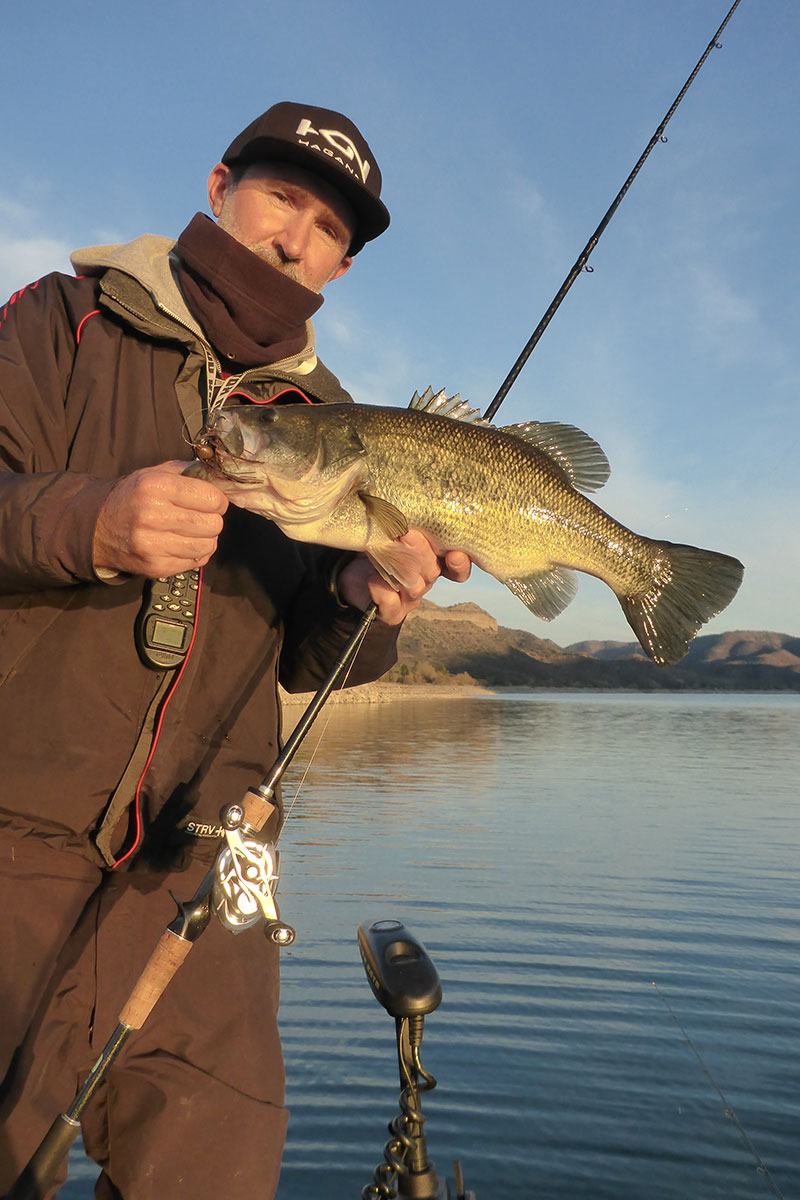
<point>503,132</point>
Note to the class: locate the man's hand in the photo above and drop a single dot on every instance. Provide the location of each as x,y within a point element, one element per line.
<point>359,583</point>
<point>157,522</point>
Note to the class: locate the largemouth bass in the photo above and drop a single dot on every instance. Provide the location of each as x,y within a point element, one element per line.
<point>357,477</point>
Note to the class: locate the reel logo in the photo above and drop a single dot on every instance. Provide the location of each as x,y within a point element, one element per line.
<point>339,147</point>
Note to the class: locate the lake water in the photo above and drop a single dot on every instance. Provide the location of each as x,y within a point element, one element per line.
<point>558,854</point>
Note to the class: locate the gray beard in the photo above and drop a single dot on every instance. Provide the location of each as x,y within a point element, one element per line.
<point>264,251</point>
<point>269,255</point>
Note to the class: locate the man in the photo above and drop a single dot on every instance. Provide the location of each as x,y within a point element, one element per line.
<point>115,768</point>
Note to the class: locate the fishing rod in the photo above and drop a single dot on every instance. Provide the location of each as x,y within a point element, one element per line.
<point>581,261</point>
<point>240,887</point>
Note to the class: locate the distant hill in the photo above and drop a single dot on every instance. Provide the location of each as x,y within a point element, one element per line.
<point>462,643</point>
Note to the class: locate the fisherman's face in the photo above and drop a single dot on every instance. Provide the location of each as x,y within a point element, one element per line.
<point>290,218</point>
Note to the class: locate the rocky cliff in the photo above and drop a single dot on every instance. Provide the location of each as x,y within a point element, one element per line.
<point>464,643</point>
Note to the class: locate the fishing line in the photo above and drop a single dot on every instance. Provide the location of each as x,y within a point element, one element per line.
<point>313,754</point>
<point>727,1107</point>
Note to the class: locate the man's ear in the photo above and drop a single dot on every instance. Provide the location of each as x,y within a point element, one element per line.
<point>220,181</point>
<point>343,267</point>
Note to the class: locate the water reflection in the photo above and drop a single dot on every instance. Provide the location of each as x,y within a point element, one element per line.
<point>557,854</point>
<point>406,741</point>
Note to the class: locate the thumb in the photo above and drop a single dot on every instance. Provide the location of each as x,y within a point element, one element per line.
<point>176,466</point>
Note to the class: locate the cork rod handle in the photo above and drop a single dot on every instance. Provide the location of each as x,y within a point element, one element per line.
<point>168,955</point>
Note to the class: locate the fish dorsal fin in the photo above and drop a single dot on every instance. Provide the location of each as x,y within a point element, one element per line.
<point>389,519</point>
<point>442,405</point>
<point>578,456</point>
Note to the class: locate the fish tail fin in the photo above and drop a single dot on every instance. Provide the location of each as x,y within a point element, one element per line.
<point>688,587</point>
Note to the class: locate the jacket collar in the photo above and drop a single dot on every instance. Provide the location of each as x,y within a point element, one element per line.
<point>138,278</point>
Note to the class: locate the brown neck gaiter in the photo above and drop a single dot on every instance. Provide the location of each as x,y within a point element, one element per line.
<point>251,313</point>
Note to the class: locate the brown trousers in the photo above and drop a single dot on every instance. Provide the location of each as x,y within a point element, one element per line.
<point>192,1108</point>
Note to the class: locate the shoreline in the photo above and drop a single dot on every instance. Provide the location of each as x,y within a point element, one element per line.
<point>382,693</point>
<point>387,693</point>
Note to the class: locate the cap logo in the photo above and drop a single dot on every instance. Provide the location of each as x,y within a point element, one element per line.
<point>339,147</point>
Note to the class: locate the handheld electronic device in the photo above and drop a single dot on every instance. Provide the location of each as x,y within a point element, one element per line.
<point>164,626</point>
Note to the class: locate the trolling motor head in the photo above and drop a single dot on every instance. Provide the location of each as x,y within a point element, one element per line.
<point>406,983</point>
<point>398,968</point>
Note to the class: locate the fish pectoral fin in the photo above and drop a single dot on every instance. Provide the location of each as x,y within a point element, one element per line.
<point>396,563</point>
<point>546,593</point>
<point>578,456</point>
<point>389,519</point>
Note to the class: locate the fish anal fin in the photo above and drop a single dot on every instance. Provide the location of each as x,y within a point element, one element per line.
<point>578,456</point>
<point>546,593</point>
<point>386,516</point>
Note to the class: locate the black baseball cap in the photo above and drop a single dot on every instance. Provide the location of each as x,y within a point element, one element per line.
<point>323,142</point>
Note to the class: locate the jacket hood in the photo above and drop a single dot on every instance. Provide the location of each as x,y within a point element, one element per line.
<point>149,260</point>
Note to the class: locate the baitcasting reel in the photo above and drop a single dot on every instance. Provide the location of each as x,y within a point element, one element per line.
<point>246,879</point>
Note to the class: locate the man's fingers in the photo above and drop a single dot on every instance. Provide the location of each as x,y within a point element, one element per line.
<point>456,566</point>
<point>166,567</point>
<point>453,564</point>
<point>169,482</point>
<point>358,580</point>
<point>417,590</point>
<point>427,562</point>
<point>173,466</point>
<point>187,549</point>
<point>187,522</point>
<point>391,606</point>
<point>156,516</point>
<point>199,495</point>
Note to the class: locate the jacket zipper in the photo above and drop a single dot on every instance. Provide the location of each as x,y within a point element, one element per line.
<point>207,351</point>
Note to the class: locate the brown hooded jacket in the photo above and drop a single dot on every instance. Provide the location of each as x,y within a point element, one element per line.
<point>99,376</point>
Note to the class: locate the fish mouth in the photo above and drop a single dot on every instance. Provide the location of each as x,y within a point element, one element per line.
<point>294,499</point>
<point>223,452</point>
<point>223,447</point>
<point>226,467</point>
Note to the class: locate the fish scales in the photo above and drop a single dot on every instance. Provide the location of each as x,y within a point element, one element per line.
<point>358,476</point>
<point>496,497</point>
